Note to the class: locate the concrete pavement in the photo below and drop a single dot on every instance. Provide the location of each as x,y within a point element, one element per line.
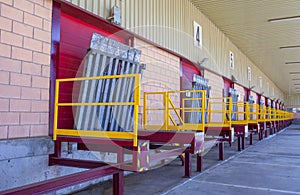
<point>271,166</point>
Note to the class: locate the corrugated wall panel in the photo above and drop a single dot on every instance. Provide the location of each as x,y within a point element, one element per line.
<point>292,100</point>
<point>101,8</point>
<point>171,25</point>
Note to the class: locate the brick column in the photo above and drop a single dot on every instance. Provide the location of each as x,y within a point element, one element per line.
<point>25,37</point>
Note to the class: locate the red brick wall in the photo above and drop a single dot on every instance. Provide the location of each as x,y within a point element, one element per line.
<point>162,74</point>
<point>241,98</point>
<point>25,37</point>
<point>216,83</point>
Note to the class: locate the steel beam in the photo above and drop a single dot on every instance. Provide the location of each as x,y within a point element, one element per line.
<point>87,164</point>
<point>250,138</point>
<point>65,181</point>
<point>97,141</point>
<point>166,154</point>
<point>221,151</point>
<point>239,143</point>
<point>118,183</point>
<point>199,162</point>
<point>187,165</point>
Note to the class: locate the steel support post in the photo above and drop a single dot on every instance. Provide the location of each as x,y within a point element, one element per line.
<point>57,148</point>
<point>199,162</point>
<point>250,138</point>
<point>181,156</point>
<point>243,141</point>
<point>118,183</point>
<point>221,151</point>
<point>239,143</point>
<point>262,130</point>
<point>187,165</point>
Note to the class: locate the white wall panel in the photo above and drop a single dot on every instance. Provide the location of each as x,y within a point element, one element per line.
<point>170,25</point>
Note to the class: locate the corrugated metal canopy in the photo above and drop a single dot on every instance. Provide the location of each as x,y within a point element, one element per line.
<point>267,31</point>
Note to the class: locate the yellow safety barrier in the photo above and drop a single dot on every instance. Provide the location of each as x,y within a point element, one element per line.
<point>288,115</point>
<point>240,113</point>
<point>253,113</point>
<point>219,112</point>
<point>262,116</point>
<point>99,133</point>
<point>268,114</point>
<point>273,114</point>
<point>214,112</point>
<point>166,113</point>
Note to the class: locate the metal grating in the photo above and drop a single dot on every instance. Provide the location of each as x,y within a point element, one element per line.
<point>108,57</point>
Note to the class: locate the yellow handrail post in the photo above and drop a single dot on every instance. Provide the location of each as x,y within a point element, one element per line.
<point>210,114</point>
<point>183,109</point>
<point>145,111</point>
<point>56,110</point>
<point>230,110</point>
<point>137,99</point>
<point>203,107</point>
<point>166,114</point>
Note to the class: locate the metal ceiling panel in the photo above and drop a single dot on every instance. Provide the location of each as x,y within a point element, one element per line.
<point>247,25</point>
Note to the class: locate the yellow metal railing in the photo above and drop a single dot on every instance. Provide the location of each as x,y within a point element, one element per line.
<point>268,114</point>
<point>262,115</point>
<point>240,113</point>
<point>99,133</point>
<point>288,116</point>
<point>165,112</point>
<point>253,113</point>
<point>273,114</point>
<point>219,112</point>
<point>215,112</point>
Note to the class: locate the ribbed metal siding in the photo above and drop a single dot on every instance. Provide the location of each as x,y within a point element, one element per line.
<point>292,100</point>
<point>98,7</point>
<point>170,24</point>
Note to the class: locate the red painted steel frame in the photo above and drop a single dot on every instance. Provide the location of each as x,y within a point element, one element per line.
<point>196,145</point>
<point>66,181</point>
<point>239,131</point>
<point>173,137</point>
<point>225,136</point>
<point>194,139</point>
<point>168,137</point>
<point>253,129</point>
<point>120,147</point>
<point>54,61</point>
